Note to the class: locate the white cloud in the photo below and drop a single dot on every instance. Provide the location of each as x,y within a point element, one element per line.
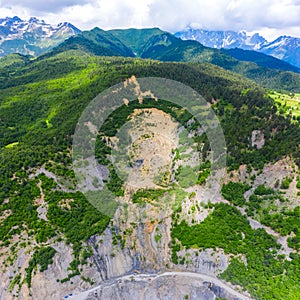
<point>270,17</point>
<point>42,6</point>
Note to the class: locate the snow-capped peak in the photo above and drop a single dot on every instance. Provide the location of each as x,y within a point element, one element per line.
<point>33,35</point>
<point>223,39</point>
<point>284,47</point>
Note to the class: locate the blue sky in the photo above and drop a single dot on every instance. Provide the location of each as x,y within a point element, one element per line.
<point>271,18</point>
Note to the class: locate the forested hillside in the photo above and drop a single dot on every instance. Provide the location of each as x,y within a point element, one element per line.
<point>40,103</point>
<point>156,44</point>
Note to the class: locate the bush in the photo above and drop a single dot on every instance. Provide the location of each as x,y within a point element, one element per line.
<point>286,183</point>
<point>262,190</point>
<point>42,257</point>
<point>234,192</point>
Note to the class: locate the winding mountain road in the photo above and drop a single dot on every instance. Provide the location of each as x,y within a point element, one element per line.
<point>146,277</point>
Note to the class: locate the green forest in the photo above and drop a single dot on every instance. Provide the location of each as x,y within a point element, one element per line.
<point>266,275</point>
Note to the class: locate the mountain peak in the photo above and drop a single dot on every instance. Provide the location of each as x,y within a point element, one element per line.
<point>9,21</point>
<point>15,19</point>
<point>284,47</point>
<point>34,36</point>
<point>34,20</point>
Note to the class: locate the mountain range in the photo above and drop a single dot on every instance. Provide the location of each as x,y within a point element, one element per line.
<point>153,43</point>
<point>35,37</point>
<point>286,48</point>
<point>32,37</point>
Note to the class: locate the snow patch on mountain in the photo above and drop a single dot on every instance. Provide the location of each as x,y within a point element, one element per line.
<point>32,36</point>
<point>284,47</point>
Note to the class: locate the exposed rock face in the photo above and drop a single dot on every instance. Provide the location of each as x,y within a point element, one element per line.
<point>45,285</point>
<point>153,136</point>
<point>206,262</point>
<point>257,139</point>
<point>8,273</point>
<point>108,259</point>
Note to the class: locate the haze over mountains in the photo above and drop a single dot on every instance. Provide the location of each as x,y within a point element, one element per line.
<point>284,47</point>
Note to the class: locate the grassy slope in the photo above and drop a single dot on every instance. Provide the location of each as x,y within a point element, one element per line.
<point>136,39</point>
<point>288,103</point>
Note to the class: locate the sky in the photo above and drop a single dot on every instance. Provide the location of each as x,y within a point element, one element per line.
<point>271,18</point>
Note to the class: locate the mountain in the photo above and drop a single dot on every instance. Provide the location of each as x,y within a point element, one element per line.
<point>54,243</point>
<point>150,43</point>
<point>35,37</point>
<point>32,37</point>
<point>222,39</point>
<point>261,59</point>
<point>156,44</point>
<point>286,48</point>
<point>136,39</point>
<point>95,41</point>
<point>14,60</point>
